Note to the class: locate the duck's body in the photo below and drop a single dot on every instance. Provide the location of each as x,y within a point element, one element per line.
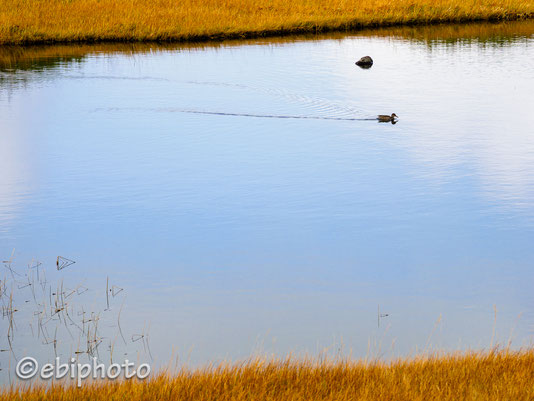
<point>386,119</point>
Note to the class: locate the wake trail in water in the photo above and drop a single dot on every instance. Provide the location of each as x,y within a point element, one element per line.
<point>319,105</point>
<point>326,109</point>
<point>221,113</point>
<point>117,78</point>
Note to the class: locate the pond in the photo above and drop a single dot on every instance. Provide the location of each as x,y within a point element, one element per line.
<point>234,199</point>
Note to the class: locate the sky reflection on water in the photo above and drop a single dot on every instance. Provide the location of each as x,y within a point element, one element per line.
<point>236,234</point>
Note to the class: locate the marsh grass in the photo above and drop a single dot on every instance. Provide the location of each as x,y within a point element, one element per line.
<point>42,21</point>
<point>495,375</point>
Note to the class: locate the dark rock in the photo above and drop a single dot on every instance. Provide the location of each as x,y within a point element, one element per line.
<point>365,62</point>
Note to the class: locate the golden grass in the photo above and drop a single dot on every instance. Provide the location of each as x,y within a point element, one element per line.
<point>497,375</point>
<point>38,21</point>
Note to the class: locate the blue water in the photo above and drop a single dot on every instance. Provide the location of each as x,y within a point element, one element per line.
<point>240,234</point>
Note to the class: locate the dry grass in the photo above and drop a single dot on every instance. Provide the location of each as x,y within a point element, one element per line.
<point>497,375</point>
<point>38,21</point>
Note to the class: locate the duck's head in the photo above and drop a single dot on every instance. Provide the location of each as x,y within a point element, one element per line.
<point>393,116</point>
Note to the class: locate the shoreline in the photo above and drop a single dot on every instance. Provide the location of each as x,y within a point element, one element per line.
<point>350,28</point>
<point>25,56</point>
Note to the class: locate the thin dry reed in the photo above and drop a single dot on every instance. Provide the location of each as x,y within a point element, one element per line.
<point>498,375</point>
<point>38,21</point>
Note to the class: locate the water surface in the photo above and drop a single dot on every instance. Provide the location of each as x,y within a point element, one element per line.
<point>165,170</point>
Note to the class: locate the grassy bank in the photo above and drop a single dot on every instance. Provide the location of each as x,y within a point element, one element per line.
<point>47,21</point>
<point>472,376</point>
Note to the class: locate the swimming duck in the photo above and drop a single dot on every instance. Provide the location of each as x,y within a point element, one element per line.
<point>386,119</point>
